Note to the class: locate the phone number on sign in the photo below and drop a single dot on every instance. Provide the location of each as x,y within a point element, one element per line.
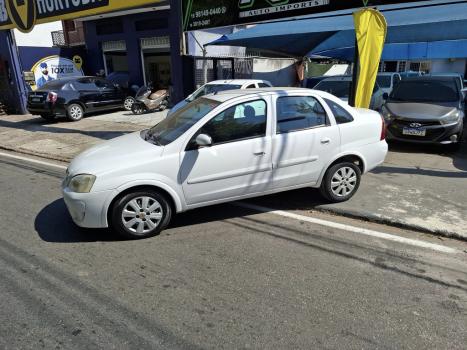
<point>210,12</point>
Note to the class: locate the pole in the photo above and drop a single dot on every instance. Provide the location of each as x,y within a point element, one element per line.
<point>355,71</point>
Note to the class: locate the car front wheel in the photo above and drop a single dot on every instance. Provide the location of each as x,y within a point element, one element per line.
<point>341,182</point>
<point>75,112</point>
<point>140,214</point>
<point>128,103</point>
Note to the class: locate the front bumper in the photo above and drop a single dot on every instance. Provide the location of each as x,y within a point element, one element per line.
<point>88,210</point>
<point>435,132</point>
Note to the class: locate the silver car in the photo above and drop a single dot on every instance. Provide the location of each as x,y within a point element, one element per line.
<point>426,110</point>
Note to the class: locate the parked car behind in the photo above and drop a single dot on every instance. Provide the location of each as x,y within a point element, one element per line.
<point>459,78</point>
<point>221,85</point>
<point>387,81</point>
<point>340,86</point>
<point>310,83</point>
<point>224,147</point>
<point>122,80</point>
<point>75,97</point>
<point>426,110</point>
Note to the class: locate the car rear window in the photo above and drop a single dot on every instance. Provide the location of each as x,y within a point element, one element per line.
<point>384,81</point>
<point>426,91</point>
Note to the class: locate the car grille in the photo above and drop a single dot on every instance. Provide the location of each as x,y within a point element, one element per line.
<point>406,123</point>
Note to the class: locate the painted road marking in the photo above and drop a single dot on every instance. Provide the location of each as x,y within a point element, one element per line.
<point>31,160</point>
<point>343,227</point>
<point>348,228</point>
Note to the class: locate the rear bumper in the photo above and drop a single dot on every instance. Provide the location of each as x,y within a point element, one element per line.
<point>435,134</point>
<point>375,154</point>
<point>47,109</point>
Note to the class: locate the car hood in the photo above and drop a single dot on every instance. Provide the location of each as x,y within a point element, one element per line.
<point>420,111</point>
<point>109,156</point>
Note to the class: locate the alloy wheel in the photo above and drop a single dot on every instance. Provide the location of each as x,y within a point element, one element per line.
<point>343,182</point>
<point>76,112</point>
<point>142,215</point>
<point>128,103</point>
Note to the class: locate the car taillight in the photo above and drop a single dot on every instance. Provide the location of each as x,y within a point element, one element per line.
<point>52,97</point>
<point>383,129</point>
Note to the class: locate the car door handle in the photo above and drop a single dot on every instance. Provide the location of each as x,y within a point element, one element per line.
<point>325,141</point>
<point>259,154</point>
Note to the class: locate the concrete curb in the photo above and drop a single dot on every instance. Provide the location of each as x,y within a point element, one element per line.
<point>370,217</point>
<point>36,154</point>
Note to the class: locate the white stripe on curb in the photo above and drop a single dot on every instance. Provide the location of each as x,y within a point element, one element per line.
<point>31,160</point>
<point>359,230</point>
<point>343,227</point>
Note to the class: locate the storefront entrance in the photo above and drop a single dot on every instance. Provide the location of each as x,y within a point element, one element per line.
<point>155,55</point>
<point>115,56</point>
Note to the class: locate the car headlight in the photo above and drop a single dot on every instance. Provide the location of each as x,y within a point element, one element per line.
<point>386,114</point>
<point>452,118</point>
<point>82,183</point>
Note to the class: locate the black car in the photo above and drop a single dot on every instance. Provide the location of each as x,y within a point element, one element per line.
<point>426,110</point>
<point>75,97</point>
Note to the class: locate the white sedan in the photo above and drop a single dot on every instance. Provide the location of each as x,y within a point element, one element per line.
<point>224,147</point>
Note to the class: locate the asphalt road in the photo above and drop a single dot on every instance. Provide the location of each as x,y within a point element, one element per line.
<point>220,277</point>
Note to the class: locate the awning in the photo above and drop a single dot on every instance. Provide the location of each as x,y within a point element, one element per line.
<point>406,52</point>
<point>310,36</point>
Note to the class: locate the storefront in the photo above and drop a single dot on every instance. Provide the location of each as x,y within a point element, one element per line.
<point>146,44</point>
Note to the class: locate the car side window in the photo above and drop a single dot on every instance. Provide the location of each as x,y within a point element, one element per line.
<point>84,85</point>
<point>263,85</point>
<point>340,114</point>
<point>251,86</point>
<point>103,84</point>
<point>296,113</point>
<point>243,121</point>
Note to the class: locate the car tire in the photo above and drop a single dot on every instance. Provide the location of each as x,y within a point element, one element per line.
<point>138,108</point>
<point>140,214</point>
<point>75,112</point>
<point>341,182</point>
<point>47,117</point>
<point>128,103</point>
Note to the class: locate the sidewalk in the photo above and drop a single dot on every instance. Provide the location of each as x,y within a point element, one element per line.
<point>418,187</point>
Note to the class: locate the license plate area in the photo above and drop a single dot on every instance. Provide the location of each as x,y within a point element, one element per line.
<point>414,131</point>
<point>36,99</point>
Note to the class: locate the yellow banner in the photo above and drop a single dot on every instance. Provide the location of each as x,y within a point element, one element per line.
<point>24,14</point>
<point>371,29</point>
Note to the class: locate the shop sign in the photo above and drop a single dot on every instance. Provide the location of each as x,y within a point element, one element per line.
<point>202,14</point>
<point>55,67</point>
<point>24,14</point>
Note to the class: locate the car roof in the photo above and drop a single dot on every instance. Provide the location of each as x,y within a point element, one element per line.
<point>236,81</point>
<point>432,78</point>
<point>231,94</point>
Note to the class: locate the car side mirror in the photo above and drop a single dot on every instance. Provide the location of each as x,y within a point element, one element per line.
<point>385,96</point>
<point>203,140</point>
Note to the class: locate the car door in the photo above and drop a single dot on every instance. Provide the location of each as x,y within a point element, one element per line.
<point>239,160</point>
<point>304,140</point>
<point>89,94</point>
<point>109,95</point>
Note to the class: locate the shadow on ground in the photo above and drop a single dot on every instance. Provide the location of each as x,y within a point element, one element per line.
<point>37,125</point>
<point>54,224</point>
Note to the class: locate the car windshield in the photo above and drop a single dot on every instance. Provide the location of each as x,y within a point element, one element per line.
<point>339,89</point>
<point>182,120</point>
<point>212,88</point>
<point>384,81</point>
<point>426,91</point>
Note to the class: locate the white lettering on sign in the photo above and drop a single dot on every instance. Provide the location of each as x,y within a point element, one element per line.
<point>49,6</point>
<point>283,8</point>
